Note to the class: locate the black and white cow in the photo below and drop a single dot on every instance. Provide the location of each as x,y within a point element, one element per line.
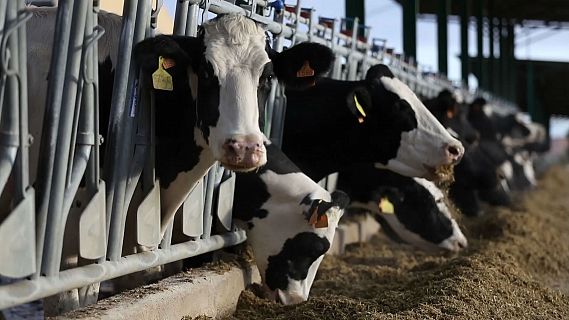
<point>411,210</point>
<point>379,119</point>
<point>290,222</point>
<point>478,174</point>
<point>504,138</point>
<point>223,70</point>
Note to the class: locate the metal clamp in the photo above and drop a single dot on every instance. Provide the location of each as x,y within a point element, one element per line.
<point>98,32</point>
<point>4,56</point>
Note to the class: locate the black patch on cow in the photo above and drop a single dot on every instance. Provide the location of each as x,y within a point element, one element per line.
<point>176,149</point>
<point>294,259</point>
<point>106,82</point>
<point>278,162</point>
<point>208,98</point>
<point>414,205</point>
<point>251,193</point>
<point>322,134</point>
<point>377,71</point>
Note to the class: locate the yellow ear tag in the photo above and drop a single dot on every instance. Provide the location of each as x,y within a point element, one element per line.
<point>161,79</point>
<point>385,206</point>
<point>305,70</point>
<point>360,109</point>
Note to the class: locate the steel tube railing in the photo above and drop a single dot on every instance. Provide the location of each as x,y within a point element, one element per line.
<point>27,290</point>
<point>56,215</point>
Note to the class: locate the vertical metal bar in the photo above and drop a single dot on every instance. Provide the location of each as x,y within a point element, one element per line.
<point>192,21</point>
<point>442,35</point>
<point>464,15</point>
<point>502,59</point>
<point>511,43</point>
<point>297,22</point>
<point>51,122</point>
<point>9,112</point>
<point>136,17</point>
<point>482,80</point>
<point>491,57</point>
<point>181,17</point>
<point>56,215</point>
<point>210,184</point>
<point>410,8</point>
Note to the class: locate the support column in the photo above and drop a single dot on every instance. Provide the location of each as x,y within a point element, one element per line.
<point>442,35</point>
<point>482,76</point>
<point>490,67</point>
<point>356,8</point>
<point>501,65</point>
<point>465,70</point>
<point>410,8</point>
<point>510,43</point>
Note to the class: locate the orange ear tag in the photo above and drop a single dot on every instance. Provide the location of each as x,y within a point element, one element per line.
<point>305,71</point>
<point>318,221</point>
<point>450,114</point>
<point>168,63</point>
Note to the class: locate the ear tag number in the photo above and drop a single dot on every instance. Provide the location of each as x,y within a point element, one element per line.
<point>161,79</point>
<point>385,206</point>
<point>305,71</point>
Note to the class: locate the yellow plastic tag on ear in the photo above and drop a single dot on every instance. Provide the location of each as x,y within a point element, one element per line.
<point>385,206</point>
<point>359,107</point>
<point>161,79</point>
<point>305,70</point>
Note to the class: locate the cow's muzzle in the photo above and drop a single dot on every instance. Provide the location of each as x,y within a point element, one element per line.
<point>243,153</point>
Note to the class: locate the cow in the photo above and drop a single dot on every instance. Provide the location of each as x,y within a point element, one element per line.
<point>504,140</point>
<point>478,175</point>
<point>379,119</point>
<point>411,210</point>
<point>223,69</point>
<point>290,222</point>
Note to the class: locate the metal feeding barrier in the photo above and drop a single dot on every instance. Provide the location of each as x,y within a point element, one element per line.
<point>68,235</point>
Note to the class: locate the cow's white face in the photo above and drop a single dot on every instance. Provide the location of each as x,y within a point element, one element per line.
<point>425,147</point>
<point>298,290</point>
<point>235,55</point>
<point>457,240</point>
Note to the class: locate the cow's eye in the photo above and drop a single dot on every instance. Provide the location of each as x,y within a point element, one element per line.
<point>265,80</point>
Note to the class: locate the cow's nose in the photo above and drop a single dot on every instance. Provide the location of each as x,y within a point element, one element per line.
<point>454,152</point>
<point>243,153</point>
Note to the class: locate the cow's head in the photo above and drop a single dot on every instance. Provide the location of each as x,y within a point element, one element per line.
<point>226,65</point>
<point>477,173</point>
<point>420,216</point>
<point>414,143</point>
<point>291,272</point>
<point>448,111</point>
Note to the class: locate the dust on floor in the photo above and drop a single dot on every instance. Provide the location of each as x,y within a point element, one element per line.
<point>516,267</point>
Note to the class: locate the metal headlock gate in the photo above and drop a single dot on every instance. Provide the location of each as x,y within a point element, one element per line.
<point>34,231</point>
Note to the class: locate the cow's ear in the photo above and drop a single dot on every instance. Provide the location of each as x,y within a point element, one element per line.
<point>180,50</point>
<point>360,103</point>
<point>377,71</point>
<point>340,199</point>
<point>300,66</point>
